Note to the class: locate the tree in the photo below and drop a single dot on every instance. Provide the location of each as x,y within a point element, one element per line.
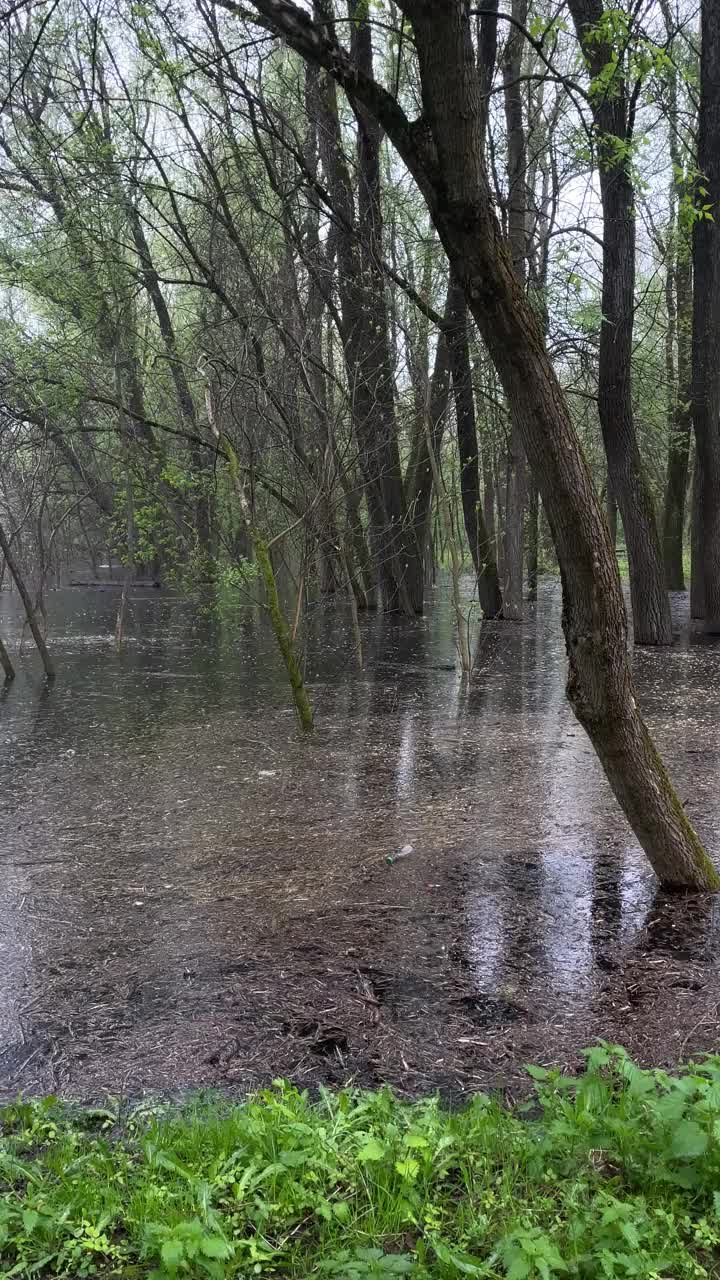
<point>443,151</point>
<point>364,335</point>
<point>6,662</point>
<point>606,39</point>
<point>29,608</point>
<point>706,317</point>
<point>481,548</point>
<point>678,341</point>
<point>517,221</point>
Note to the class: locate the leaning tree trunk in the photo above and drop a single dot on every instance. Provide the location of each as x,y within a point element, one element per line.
<point>599,683</point>
<point>6,662</point>
<point>446,160</point>
<point>706,319</point>
<point>612,114</point>
<point>30,614</point>
<point>261,550</point>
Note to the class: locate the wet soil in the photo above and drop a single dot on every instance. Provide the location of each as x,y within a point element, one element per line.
<point>191,895</point>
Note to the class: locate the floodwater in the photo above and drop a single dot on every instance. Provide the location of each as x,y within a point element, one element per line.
<point>192,895</point>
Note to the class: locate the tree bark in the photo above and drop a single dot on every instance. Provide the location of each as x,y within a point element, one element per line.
<point>611,513</point>
<point>516,483</point>
<point>365,337</point>
<point>678,339</point>
<point>706,318</point>
<point>680,428</point>
<point>442,152</point>
<point>612,115</point>
<point>419,478</point>
<point>533,540</point>
<point>697,550</point>
<point>481,548</point>
<point>6,662</point>
<point>24,594</point>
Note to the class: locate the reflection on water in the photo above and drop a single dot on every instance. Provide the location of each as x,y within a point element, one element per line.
<point>187,885</point>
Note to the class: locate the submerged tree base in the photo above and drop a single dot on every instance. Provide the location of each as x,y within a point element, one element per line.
<point>615,1174</point>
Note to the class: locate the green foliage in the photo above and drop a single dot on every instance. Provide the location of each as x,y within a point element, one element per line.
<point>236,576</point>
<point>361,12</point>
<point>610,1174</point>
<point>629,52</point>
<point>693,205</point>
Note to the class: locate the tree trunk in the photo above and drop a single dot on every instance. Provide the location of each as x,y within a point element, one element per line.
<point>680,428</point>
<point>6,662</point>
<point>697,550</point>
<point>499,490</point>
<point>419,477</point>
<point>611,513</point>
<point>613,125</point>
<point>263,560</point>
<point>489,501</point>
<point>533,540</point>
<point>516,487</point>
<point>599,683</point>
<point>445,512</point>
<point>706,318</point>
<point>446,160</point>
<point>366,594</point>
<point>678,296</point>
<point>487,456</point>
<point>37,635</point>
<point>186,403</point>
<point>129,559</point>
<point>365,339</point>
<point>481,548</point>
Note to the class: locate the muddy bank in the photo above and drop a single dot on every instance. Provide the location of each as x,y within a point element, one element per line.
<point>191,895</point>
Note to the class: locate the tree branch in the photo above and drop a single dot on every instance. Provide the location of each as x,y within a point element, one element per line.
<point>309,39</point>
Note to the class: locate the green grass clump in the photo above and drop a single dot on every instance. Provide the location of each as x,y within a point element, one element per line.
<point>615,1173</point>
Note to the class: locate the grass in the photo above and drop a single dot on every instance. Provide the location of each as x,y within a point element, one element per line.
<point>615,1173</point>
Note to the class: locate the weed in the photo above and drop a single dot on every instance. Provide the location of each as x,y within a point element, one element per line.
<point>611,1174</point>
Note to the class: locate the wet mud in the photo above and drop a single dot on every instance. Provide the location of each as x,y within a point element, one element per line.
<point>191,895</point>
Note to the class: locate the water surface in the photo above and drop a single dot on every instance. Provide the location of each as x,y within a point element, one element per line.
<point>191,894</point>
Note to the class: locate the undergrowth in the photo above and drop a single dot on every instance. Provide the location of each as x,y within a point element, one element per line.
<point>614,1173</point>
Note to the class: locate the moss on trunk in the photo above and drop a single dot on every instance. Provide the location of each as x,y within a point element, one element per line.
<point>282,633</point>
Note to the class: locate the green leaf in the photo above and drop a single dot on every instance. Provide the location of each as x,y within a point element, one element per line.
<point>371,1151</point>
<point>397,1264</point>
<point>671,1108</point>
<point>172,1252</point>
<point>689,1141</point>
<point>462,1262</point>
<point>294,1159</point>
<point>416,1142</point>
<point>215,1247</point>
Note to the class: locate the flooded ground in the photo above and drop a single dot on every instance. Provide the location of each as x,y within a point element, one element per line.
<point>191,895</point>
